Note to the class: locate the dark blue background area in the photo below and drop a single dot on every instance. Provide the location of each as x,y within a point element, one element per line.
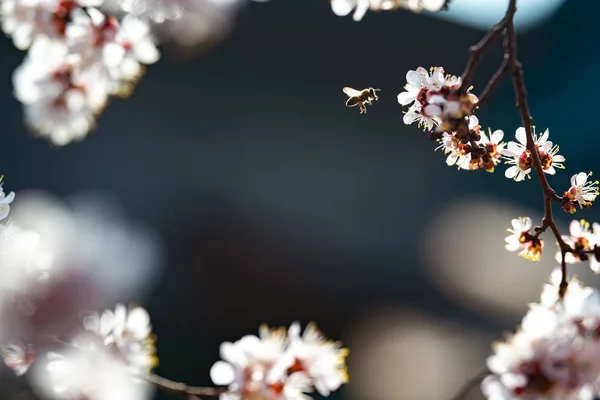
<point>275,201</point>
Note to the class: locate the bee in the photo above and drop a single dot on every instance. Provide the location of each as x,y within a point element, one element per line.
<point>360,97</point>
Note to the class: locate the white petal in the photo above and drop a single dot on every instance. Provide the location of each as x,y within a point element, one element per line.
<point>497,136</point>
<point>575,228</point>
<point>409,118</point>
<point>405,98</point>
<point>9,198</point>
<point>432,110</point>
<point>512,172</point>
<point>544,137</point>
<point>222,373</point>
<point>138,322</point>
<point>451,160</point>
<point>146,52</point>
<point>579,180</point>
<point>414,79</point>
<point>341,8</point>
<point>521,136</point>
<point>361,9</point>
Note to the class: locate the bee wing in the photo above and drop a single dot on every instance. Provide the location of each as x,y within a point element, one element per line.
<point>351,92</point>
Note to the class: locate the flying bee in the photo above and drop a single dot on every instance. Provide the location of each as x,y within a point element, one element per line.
<point>360,97</point>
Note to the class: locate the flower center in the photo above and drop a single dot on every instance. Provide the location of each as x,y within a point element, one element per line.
<point>525,160</point>
<point>492,150</point>
<point>582,244</point>
<point>422,96</point>
<point>546,160</point>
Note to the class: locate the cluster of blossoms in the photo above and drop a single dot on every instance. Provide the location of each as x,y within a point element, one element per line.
<point>78,57</point>
<point>101,362</point>
<point>556,352</point>
<point>280,365</point>
<point>583,242</point>
<point>83,52</point>
<point>438,104</point>
<point>360,7</point>
<point>435,98</point>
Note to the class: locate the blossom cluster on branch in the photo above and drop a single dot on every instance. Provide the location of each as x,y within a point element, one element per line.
<point>556,352</point>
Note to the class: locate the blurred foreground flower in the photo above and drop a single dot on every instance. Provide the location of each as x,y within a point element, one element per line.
<point>64,258</point>
<point>556,354</point>
<point>87,370</point>
<point>129,331</point>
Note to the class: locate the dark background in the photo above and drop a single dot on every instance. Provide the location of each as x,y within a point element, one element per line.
<point>277,203</point>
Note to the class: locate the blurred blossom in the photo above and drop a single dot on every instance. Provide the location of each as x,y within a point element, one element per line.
<point>400,354</point>
<point>127,331</point>
<point>24,259</point>
<point>68,257</point>
<point>474,269</point>
<point>203,23</point>
<point>86,371</point>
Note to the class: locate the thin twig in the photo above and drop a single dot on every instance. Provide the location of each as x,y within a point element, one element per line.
<point>476,51</point>
<point>496,78</point>
<point>182,389</point>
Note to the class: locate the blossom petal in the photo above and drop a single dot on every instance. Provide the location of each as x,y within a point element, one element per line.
<point>521,136</point>
<point>405,98</point>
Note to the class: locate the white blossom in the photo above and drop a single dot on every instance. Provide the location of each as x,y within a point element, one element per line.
<point>454,150</point>
<point>582,192</point>
<point>493,146</point>
<point>60,101</point>
<point>322,360</point>
<point>519,157</point>
<point>521,239</point>
<point>5,200</point>
<point>275,366</point>
<point>423,92</point>
<point>129,331</point>
<point>580,238</point>
<point>87,371</point>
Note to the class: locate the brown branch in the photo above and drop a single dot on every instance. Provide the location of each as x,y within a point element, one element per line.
<point>512,66</point>
<point>493,82</point>
<point>516,70</point>
<point>476,51</point>
<point>182,389</point>
<point>466,388</point>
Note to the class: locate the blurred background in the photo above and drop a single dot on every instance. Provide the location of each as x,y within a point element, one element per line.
<point>277,203</point>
